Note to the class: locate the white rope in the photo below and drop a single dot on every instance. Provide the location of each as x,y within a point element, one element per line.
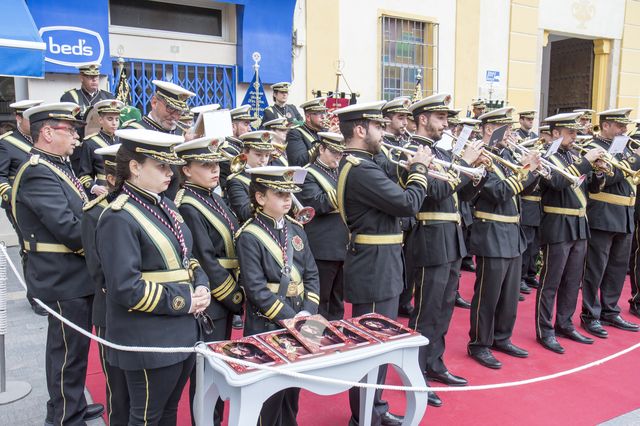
<point>3,293</point>
<point>203,349</point>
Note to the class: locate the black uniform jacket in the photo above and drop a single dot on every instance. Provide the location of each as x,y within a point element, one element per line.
<point>371,204</point>
<point>91,164</point>
<point>47,205</point>
<point>290,112</point>
<point>327,233</point>
<point>90,216</point>
<point>612,209</point>
<point>261,265</point>
<point>84,99</point>
<point>564,218</point>
<point>213,226</point>
<point>436,237</point>
<point>148,285</point>
<point>15,149</point>
<point>237,193</point>
<point>496,228</point>
<point>300,141</point>
<point>233,147</point>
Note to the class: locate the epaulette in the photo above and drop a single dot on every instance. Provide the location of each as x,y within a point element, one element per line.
<point>353,160</point>
<point>119,202</point>
<point>179,196</point>
<point>91,135</point>
<point>239,231</point>
<point>292,220</point>
<point>5,134</point>
<point>67,91</point>
<point>91,204</point>
<point>34,160</point>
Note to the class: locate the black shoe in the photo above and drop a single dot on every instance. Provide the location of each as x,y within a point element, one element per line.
<point>93,412</point>
<point>237,322</point>
<point>461,303</point>
<point>524,288</point>
<point>433,399</point>
<point>39,310</point>
<point>532,282</point>
<point>485,358</point>
<point>520,297</point>
<point>551,343</point>
<point>594,327</point>
<point>620,323</point>
<point>446,378</point>
<point>575,336</point>
<point>405,311</point>
<point>634,310</point>
<point>468,265</point>
<point>390,419</point>
<point>510,349</point>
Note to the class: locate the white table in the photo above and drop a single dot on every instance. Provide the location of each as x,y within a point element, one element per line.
<point>247,392</point>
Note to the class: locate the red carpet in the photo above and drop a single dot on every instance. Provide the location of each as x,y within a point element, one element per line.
<point>585,398</point>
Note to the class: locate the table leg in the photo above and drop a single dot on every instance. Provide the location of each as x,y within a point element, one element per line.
<point>411,375</point>
<point>245,405</point>
<point>366,397</point>
<point>206,394</point>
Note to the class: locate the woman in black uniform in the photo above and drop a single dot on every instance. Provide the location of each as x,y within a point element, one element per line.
<point>153,285</point>
<point>213,226</point>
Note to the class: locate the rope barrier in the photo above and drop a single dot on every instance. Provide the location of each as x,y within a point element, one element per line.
<point>202,349</point>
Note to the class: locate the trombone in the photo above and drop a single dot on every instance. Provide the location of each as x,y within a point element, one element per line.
<point>520,171</point>
<point>476,174</point>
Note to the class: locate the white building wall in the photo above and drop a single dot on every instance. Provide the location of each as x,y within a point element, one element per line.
<point>493,46</point>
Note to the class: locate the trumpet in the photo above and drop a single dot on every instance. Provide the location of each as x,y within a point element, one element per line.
<point>302,214</point>
<point>238,162</point>
<point>476,174</point>
<point>611,162</point>
<point>549,166</point>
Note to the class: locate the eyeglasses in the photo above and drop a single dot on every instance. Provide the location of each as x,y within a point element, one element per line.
<point>71,130</point>
<point>171,110</point>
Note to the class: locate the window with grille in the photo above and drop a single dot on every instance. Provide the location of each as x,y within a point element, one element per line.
<point>409,49</point>
<point>212,84</point>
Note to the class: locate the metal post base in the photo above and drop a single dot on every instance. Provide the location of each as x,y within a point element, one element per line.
<point>14,391</point>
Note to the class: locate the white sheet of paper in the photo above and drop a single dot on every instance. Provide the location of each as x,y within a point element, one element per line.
<point>463,137</point>
<point>214,123</point>
<point>446,142</point>
<point>553,148</point>
<point>618,144</point>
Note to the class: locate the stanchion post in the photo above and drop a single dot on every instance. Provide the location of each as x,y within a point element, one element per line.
<point>9,391</point>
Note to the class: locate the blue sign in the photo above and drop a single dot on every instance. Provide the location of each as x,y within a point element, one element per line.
<point>257,98</point>
<point>492,76</point>
<point>74,34</point>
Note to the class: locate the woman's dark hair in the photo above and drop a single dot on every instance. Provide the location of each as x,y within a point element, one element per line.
<point>253,188</point>
<point>123,172</point>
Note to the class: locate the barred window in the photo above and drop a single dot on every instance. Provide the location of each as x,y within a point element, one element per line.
<point>409,48</point>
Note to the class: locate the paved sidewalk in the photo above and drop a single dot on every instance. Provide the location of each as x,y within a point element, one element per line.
<point>25,350</point>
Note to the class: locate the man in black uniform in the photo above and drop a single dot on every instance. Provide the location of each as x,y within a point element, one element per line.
<point>434,247</point>
<point>610,213</point>
<point>91,172</point>
<point>167,105</point>
<point>328,236</point>
<point>395,133</point>
<point>86,96</point>
<point>15,147</point>
<point>280,107</point>
<point>301,140</point>
<point>526,125</point>
<point>586,115</point>
<point>498,243</point>
<point>47,205</point>
<point>564,232</point>
<point>371,204</point>
<point>478,108</point>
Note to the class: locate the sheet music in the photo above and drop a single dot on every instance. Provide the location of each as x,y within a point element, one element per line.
<point>618,144</point>
<point>463,137</point>
<point>553,148</point>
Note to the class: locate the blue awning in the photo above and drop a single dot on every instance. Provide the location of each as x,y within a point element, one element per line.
<point>21,47</point>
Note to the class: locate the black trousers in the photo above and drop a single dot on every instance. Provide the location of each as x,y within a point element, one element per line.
<point>605,272</point>
<point>331,289</point>
<point>495,300</point>
<point>66,361</point>
<point>388,308</point>
<point>562,270</point>
<point>280,409</point>
<point>634,267</point>
<point>530,255</point>
<point>116,384</point>
<point>436,288</point>
<point>221,331</point>
<point>155,393</point>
